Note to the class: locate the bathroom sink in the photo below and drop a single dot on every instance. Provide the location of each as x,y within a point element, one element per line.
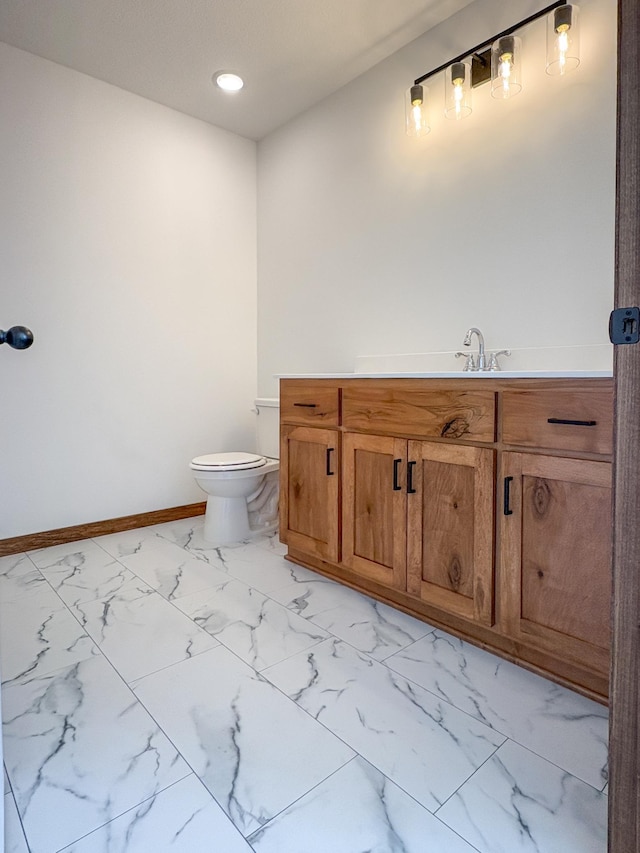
<point>541,362</point>
<point>595,360</point>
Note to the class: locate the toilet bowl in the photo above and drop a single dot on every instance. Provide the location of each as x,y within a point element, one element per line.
<point>234,480</point>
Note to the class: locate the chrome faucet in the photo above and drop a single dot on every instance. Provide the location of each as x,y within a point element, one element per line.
<point>481,361</point>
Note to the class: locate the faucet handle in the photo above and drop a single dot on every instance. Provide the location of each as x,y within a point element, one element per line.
<point>470,363</point>
<point>493,359</point>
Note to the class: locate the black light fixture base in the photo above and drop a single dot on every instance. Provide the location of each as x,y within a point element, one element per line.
<point>480,67</point>
<point>486,45</point>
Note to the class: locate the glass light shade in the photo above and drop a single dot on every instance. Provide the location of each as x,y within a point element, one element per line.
<point>563,40</point>
<point>505,67</point>
<point>416,112</point>
<point>457,91</point>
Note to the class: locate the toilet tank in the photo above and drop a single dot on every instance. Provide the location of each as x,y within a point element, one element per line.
<point>268,426</point>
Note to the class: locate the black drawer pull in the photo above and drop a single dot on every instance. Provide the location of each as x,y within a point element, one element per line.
<point>410,489</point>
<point>396,470</point>
<point>307,405</point>
<point>507,496</point>
<point>330,450</point>
<point>570,423</point>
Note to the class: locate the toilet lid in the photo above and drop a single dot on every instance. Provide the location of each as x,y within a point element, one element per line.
<point>237,461</point>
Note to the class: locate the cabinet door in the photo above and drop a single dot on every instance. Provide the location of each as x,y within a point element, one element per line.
<point>556,555</point>
<point>374,506</point>
<point>450,543</point>
<point>309,481</point>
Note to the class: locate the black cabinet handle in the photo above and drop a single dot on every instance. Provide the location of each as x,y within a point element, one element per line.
<point>570,423</point>
<point>330,450</point>
<point>396,470</point>
<point>410,489</point>
<point>307,405</point>
<point>507,496</point>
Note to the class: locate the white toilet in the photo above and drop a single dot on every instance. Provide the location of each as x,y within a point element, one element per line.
<point>240,484</point>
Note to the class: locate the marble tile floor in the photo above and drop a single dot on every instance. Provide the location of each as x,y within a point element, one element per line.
<point>162,695</point>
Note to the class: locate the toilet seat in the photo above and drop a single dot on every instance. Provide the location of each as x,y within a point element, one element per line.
<point>237,461</point>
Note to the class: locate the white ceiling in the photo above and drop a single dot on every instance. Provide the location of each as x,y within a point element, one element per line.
<point>291,53</point>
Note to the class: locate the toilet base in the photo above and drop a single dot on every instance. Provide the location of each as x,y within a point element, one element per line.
<point>226,520</point>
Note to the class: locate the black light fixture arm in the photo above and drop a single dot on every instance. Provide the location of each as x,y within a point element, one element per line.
<point>489,41</point>
<point>18,337</point>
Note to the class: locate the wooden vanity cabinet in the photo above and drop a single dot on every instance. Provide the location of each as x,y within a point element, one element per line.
<point>556,524</point>
<point>556,554</point>
<point>417,506</point>
<point>480,505</point>
<point>374,508</point>
<point>450,546</point>
<point>310,469</point>
<point>418,517</point>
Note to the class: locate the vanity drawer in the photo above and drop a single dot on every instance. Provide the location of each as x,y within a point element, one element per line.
<point>309,403</point>
<point>578,420</point>
<point>420,413</point>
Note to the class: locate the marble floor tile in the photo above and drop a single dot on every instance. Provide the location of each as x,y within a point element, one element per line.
<point>18,577</point>
<point>260,631</point>
<point>85,576</point>
<point>371,626</point>
<point>140,632</point>
<point>80,750</point>
<point>256,751</point>
<point>315,595</point>
<point>172,571</point>
<point>56,554</point>
<point>255,566</point>
<point>453,741</point>
<point>558,724</point>
<point>183,819</point>
<point>271,542</point>
<point>187,533</point>
<point>14,840</point>
<point>40,636</point>
<point>520,803</point>
<point>129,541</point>
<point>366,624</point>
<point>357,809</point>
<point>7,786</point>
<point>424,745</point>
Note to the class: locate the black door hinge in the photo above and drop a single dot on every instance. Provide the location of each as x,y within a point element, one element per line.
<point>624,326</point>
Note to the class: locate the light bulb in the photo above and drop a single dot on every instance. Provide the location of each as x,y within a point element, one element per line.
<point>228,81</point>
<point>563,47</point>
<point>505,72</point>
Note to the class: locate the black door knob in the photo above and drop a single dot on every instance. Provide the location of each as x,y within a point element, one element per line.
<point>18,337</point>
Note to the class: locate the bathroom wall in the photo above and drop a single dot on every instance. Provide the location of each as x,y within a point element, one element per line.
<point>370,242</point>
<point>127,243</point>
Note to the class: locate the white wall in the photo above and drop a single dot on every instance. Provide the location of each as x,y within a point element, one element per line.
<point>371,242</point>
<point>127,244</point>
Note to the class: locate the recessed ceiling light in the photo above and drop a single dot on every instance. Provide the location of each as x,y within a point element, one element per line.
<point>227,81</point>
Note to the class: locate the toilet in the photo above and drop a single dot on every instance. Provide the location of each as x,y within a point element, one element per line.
<point>242,488</point>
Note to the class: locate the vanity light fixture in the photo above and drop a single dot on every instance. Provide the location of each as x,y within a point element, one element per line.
<point>228,81</point>
<point>498,60</point>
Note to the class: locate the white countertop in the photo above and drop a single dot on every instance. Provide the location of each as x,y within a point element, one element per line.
<point>459,374</point>
<point>556,362</point>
